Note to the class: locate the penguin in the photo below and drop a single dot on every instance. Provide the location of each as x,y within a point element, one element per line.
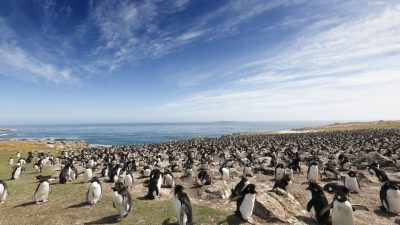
<point>10,161</point>
<point>313,172</point>
<point>115,173</point>
<point>351,182</point>
<point>16,172</point>
<point>317,202</point>
<point>65,174</point>
<point>105,171</point>
<point>240,187</point>
<point>203,178</point>
<point>18,154</point>
<point>245,203</point>
<point>42,191</point>
<point>334,188</point>
<point>330,172</point>
<point>3,191</point>
<point>247,171</point>
<point>279,172</point>
<point>146,171</point>
<point>168,179</point>
<point>188,171</point>
<point>378,172</point>
<point>73,172</point>
<point>289,172</point>
<point>342,210</point>
<point>122,200</point>
<point>345,164</point>
<point>154,185</point>
<point>224,171</point>
<point>87,174</point>
<point>390,197</point>
<point>182,206</point>
<point>38,168</point>
<point>94,193</point>
<point>282,183</point>
<point>128,180</point>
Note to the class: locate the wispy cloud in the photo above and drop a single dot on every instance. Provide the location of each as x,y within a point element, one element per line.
<point>351,59</point>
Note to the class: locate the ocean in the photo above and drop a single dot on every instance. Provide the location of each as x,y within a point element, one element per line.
<point>122,134</point>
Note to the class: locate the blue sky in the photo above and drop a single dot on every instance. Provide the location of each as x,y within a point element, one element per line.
<point>77,61</point>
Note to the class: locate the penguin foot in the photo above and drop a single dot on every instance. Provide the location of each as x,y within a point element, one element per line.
<point>37,203</point>
<point>45,200</point>
<point>251,221</point>
<point>2,202</point>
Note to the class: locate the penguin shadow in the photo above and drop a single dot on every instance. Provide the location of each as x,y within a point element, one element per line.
<point>79,182</point>
<point>166,222</point>
<point>383,213</point>
<point>307,220</point>
<point>106,220</point>
<point>25,204</point>
<point>397,221</point>
<point>232,220</point>
<point>79,205</point>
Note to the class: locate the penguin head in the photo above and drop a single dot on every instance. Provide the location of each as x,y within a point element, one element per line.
<point>41,178</point>
<point>250,189</point>
<point>94,179</point>
<point>118,186</point>
<point>178,189</point>
<point>392,185</point>
<point>340,197</point>
<point>314,188</point>
<point>352,173</point>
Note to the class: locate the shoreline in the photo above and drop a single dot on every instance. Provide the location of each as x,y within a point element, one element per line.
<point>381,124</point>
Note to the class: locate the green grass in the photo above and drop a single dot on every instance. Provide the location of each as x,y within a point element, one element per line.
<point>66,203</point>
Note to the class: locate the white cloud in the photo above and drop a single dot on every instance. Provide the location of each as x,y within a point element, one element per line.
<point>348,68</point>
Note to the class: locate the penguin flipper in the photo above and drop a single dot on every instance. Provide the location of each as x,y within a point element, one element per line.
<point>309,205</point>
<point>325,209</point>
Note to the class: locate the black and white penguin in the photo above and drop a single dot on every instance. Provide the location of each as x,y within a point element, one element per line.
<point>247,171</point>
<point>331,173</point>
<point>289,173</point>
<point>168,179</point>
<point>128,180</point>
<point>203,178</point>
<point>351,182</point>
<point>390,197</point>
<point>87,174</point>
<point>146,171</point>
<point>65,174</point>
<point>378,172</point>
<point>42,191</point>
<point>16,172</point>
<point>122,200</point>
<point>114,174</point>
<point>94,193</point>
<point>282,183</point>
<point>10,161</point>
<point>3,191</point>
<point>224,171</point>
<point>342,210</point>
<point>38,167</point>
<point>240,187</point>
<point>317,202</point>
<point>183,207</point>
<point>245,203</point>
<point>154,185</point>
<point>18,154</point>
<point>313,174</point>
<point>279,171</point>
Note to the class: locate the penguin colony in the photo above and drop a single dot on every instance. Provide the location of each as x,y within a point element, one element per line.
<point>335,156</point>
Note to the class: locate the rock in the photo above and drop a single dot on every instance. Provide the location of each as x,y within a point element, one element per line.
<point>217,190</point>
<point>382,160</point>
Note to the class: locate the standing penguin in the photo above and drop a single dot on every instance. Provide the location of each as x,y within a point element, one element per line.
<point>224,171</point>
<point>279,172</point>
<point>245,203</point>
<point>342,210</point>
<point>122,200</point>
<point>313,174</point>
<point>390,197</point>
<point>379,173</point>
<point>16,172</point>
<point>203,178</point>
<point>65,174</point>
<point>154,185</point>
<point>183,207</point>
<point>10,161</point>
<point>3,191</point>
<point>128,180</point>
<point>18,154</point>
<point>317,202</point>
<point>351,182</point>
<point>240,187</point>
<point>87,174</point>
<point>42,191</point>
<point>38,167</point>
<point>168,179</point>
<point>94,192</point>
